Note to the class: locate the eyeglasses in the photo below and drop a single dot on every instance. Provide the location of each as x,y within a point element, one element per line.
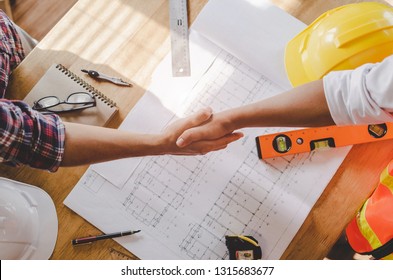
<point>75,101</point>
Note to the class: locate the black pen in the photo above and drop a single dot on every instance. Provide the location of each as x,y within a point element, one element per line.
<point>90,239</point>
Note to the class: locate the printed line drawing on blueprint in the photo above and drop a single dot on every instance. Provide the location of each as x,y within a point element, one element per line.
<point>229,83</point>
<point>189,204</point>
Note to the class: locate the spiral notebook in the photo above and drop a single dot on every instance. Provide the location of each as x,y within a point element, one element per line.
<point>61,82</point>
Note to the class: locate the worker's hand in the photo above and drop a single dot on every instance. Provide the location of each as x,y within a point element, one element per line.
<point>213,129</point>
<point>193,135</point>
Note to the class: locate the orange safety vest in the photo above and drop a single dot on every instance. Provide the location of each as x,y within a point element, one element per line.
<point>371,231</point>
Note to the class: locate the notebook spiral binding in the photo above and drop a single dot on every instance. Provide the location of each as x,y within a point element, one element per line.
<point>87,86</point>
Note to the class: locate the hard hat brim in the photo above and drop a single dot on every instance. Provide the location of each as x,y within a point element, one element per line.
<point>294,65</point>
<point>48,227</point>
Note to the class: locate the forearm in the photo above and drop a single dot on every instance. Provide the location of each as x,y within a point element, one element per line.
<point>304,106</point>
<point>90,144</point>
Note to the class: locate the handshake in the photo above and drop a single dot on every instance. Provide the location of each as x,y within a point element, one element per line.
<point>198,134</point>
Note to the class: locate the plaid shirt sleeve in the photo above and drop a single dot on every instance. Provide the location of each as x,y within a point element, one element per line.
<point>26,136</point>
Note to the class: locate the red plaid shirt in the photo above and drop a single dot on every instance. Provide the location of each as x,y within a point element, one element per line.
<point>26,136</point>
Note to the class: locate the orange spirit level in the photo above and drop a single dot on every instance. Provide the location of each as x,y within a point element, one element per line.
<point>306,140</point>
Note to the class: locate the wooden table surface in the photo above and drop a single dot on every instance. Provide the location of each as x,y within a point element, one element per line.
<point>129,38</point>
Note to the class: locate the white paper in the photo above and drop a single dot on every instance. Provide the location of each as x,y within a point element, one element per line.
<point>186,205</point>
<point>254,31</point>
<point>161,103</point>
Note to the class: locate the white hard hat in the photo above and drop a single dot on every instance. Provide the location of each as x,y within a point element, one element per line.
<point>28,222</point>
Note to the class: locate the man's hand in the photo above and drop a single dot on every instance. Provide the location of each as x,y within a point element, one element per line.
<point>216,128</point>
<point>86,144</point>
<point>200,133</point>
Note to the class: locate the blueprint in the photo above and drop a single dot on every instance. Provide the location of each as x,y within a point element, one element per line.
<point>184,206</point>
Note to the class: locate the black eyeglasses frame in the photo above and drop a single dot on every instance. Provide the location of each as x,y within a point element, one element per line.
<point>48,109</point>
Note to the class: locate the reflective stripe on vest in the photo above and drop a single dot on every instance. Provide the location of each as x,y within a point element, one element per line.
<point>373,225</point>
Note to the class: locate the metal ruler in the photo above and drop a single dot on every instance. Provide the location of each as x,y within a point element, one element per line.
<point>117,255</point>
<point>309,139</point>
<point>179,38</point>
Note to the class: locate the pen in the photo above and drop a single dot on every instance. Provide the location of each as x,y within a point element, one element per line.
<point>90,239</point>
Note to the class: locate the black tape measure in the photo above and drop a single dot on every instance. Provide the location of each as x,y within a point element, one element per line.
<point>242,247</point>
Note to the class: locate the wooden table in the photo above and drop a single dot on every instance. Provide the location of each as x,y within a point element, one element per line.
<point>129,38</point>
<point>5,5</point>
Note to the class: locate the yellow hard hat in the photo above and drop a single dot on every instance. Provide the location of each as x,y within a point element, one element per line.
<point>340,39</point>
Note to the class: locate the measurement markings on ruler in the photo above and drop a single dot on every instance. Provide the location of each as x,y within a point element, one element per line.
<point>117,255</point>
<point>179,38</point>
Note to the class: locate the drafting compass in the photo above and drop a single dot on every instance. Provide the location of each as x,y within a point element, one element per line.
<point>99,76</point>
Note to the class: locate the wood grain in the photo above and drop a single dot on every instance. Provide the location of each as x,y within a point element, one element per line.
<point>38,17</point>
<point>129,38</point>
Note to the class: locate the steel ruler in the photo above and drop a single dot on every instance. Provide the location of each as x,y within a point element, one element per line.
<point>180,50</point>
<point>117,255</point>
<point>307,140</point>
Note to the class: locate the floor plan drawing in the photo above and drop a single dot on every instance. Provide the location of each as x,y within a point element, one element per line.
<point>186,205</point>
